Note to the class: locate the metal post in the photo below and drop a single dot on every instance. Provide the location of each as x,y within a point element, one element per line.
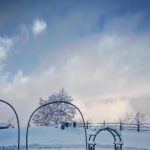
<point>120,146</point>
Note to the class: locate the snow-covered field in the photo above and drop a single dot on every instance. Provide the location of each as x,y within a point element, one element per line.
<point>48,138</point>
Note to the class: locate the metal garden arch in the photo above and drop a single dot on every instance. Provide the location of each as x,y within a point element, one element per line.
<point>17,118</point>
<point>115,134</point>
<point>63,102</point>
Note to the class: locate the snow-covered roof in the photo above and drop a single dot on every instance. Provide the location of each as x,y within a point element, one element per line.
<point>91,132</point>
<point>4,125</point>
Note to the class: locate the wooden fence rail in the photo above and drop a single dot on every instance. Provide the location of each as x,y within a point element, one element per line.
<point>121,126</point>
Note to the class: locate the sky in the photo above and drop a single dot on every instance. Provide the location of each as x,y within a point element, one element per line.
<point>97,50</point>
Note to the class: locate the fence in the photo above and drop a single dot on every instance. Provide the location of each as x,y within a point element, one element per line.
<point>121,126</point>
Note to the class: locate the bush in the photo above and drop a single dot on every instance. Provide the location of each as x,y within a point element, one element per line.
<point>62,125</point>
<point>74,124</point>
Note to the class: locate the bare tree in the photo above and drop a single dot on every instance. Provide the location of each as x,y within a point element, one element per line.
<point>139,117</point>
<point>127,118</point>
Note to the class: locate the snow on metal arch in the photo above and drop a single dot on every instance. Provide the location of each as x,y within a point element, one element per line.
<point>17,118</point>
<point>55,102</point>
<point>115,134</point>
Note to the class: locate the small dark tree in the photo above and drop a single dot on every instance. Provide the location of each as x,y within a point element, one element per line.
<point>55,113</point>
<point>66,124</point>
<point>74,124</point>
<point>62,125</point>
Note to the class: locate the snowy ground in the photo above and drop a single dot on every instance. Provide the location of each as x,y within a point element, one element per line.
<point>49,138</point>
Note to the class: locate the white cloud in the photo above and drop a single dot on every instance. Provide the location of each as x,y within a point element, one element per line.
<point>103,72</point>
<point>2,53</point>
<point>5,45</point>
<point>101,78</point>
<point>39,26</point>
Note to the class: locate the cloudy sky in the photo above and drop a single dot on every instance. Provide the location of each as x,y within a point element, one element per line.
<point>97,50</point>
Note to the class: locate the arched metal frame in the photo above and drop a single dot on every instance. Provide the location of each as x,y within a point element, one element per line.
<point>112,132</point>
<point>63,102</point>
<point>17,118</point>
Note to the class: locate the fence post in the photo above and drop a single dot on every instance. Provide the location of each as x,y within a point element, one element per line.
<point>104,122</point>
<point>87,124</point>
<point>138,127</point>
<point>121,126</point>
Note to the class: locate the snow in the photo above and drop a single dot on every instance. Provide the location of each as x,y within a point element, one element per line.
<point>45,138</point>
<point>4,124</point>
